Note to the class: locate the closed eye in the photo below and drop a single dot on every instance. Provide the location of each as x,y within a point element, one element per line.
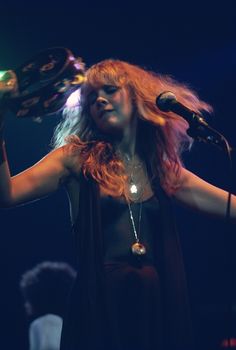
<point>110,89</point>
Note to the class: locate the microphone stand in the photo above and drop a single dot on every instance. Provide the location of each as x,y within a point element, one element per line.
<point>201,131</point>
<point>229,241</point>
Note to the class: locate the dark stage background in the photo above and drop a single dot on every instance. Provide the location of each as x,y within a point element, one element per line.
<point>196,43</point>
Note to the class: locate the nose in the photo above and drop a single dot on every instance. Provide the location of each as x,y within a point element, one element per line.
<point>101,101</point>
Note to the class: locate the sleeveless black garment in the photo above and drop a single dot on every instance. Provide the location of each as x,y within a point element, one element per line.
<point>118,302</point>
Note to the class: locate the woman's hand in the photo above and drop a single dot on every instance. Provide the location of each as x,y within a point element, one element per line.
<point>8,88</point>
<point>8,83</point>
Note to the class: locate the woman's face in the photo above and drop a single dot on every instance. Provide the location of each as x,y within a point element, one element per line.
<point>111,108</point>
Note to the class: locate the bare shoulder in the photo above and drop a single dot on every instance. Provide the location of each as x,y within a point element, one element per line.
<point>69,156</point>
<point>186,180</point>
<point>184,176</point>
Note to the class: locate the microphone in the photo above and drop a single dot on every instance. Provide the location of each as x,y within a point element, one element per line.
<point>167,102</point>
<point>198,127</point>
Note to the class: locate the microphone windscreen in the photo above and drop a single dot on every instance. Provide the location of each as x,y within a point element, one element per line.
<point>165,100</point>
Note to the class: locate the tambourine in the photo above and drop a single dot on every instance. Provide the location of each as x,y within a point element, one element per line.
<point>45,82</point>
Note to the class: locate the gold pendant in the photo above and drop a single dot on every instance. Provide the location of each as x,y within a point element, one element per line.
<point>138,249</point>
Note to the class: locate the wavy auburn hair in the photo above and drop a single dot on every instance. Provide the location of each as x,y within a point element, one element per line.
<point>161,136</point>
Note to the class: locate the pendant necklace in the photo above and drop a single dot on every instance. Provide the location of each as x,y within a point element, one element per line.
<point>137,179</point>
<point>137,248</point>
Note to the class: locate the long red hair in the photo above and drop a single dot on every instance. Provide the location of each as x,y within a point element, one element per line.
<point>161,136</point>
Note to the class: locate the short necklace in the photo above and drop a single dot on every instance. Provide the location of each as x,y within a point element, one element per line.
<point>137,248</point>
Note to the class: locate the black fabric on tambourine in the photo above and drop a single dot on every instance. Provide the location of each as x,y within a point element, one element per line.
<point>45,82</point>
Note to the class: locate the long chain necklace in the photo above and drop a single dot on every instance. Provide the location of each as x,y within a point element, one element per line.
<point>137,248</point>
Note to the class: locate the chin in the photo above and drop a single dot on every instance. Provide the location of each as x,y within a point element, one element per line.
<point>112,127</point>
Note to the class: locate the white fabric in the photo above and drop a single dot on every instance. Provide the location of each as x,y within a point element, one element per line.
<point>45,333</point>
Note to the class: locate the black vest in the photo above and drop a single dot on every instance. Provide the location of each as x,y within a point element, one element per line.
<point>85,324</point>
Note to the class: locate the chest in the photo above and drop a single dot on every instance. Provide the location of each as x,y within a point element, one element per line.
<point>73,192</point>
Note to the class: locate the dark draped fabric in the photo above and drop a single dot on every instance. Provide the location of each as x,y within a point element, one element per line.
<point>86,325</point>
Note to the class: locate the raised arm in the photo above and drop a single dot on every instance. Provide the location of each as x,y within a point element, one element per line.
<point>37,181</point>
<point>202,196</point>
